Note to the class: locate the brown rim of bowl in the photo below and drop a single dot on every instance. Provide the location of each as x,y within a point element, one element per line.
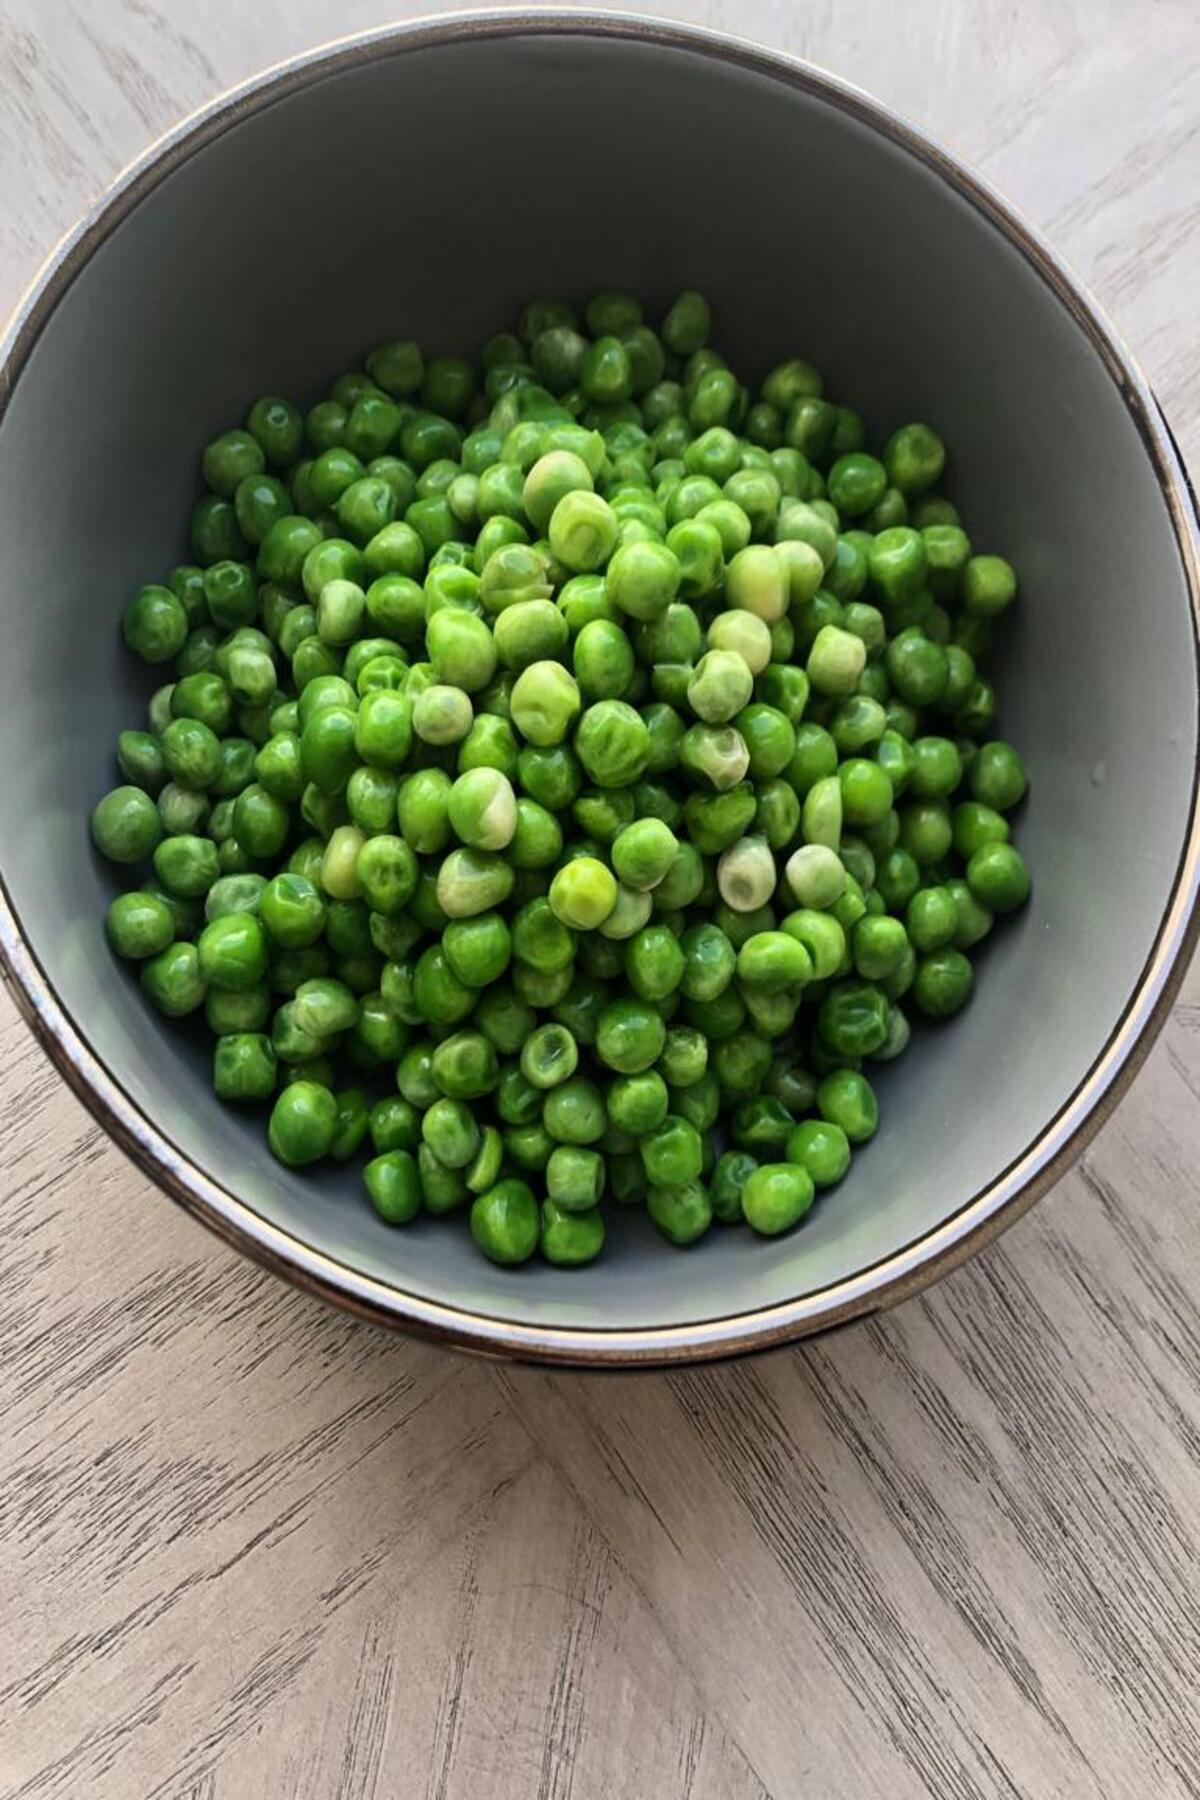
<point>978,1220</point>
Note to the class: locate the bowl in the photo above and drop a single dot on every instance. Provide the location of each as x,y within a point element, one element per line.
<point>425,181</point>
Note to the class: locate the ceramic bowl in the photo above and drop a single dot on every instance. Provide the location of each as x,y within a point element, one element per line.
<point>425,181</point>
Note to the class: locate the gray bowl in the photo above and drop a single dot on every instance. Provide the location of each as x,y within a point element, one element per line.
<point>426,181</point>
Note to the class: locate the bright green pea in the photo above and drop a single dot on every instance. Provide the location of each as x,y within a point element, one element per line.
<point>450,1130</point>
<point>720,686</point>
<point>125,825</point>
<point>684,1060</point>
<point>943,983</point>
<point>672,1153</point>
<point>393,1184</point>
<point>187,865</point>
<point>139,925</point>
<point>989,586</point>
<point>845,1098</point>
<point>583,893</point>
<point>772,961</point>
<point>682,1214</point>
<point>155,624</point>
<point>638,1103</point>
<point>602,659</point>
<point>613,744</point>
<point>233,952</point>
<point>423,811</point>
<point>583,532</point>
<point>528,632</point>
<point>728,1180</point>
<point>472,881</point>
<point>575,1178</point>
<point>549,1056</point>
<point>997,776</point>
<point>244,1067</point>
<point>998,878</point>
<point>172,980</point>
<point>537,837</point>
<point>443,1189</point>
<point>776,1196</point>
<point>642,579</point>
<point>574,1112</point>
<point>442,715</point>
<point>568,1237</point>
<point>643,853</point>
<point>545,701</point>
<point>482,809</point>
<point>506,1223</point>
<point>478,949</point>
<point>654,962</point>
<point>822,1149</point>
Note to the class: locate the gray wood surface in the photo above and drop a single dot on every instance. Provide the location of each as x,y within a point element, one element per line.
<point>251,1548</point>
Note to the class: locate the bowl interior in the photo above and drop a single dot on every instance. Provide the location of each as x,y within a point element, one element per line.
<point>428,192</point>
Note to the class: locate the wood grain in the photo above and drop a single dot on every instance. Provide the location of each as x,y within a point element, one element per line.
<point>251,1548</point>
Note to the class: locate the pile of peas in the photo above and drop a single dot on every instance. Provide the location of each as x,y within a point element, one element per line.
<point>574,771</point>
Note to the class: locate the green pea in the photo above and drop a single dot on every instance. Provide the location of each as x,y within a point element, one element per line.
<point>450,1131</point>
<point>925,831</point>
<point>997,776</point>
<point>776,1196</point>
<point>822,1149</point>
<point>772,961</point>
<point>612,744</point>
<point>583,893</point>
<point>998,878</point>
<point>943,983</point>
<point>761,1126</point>
<point>395,1125</point>
<point>569,1238</point>
<point>682,1214</point>
<point>728,1180</point>
<point>575,1178</point>
<point>574,1112</point>
<point>439,996</point>
<point>233,952</point>
<point>443,1190</point>
<point>472,881</point>
<point>393,1184</point>
<point>139,925</point>
<point>545,702</point>
<point>642,579</point>
<point>125,824</point>
<point>244,1067</point>
<point>478,949</point>
<point>482,809</point>
<point>155,624</point>
<point>172,980</point>
<point>550,1056</point>
<point>505,1222</point>
<point>187,865</point>
<point>441,715</point>
<point>671,1153</point>
<point>741,1061</point>
<point>684,1060</point>
<point>845,1098</point>
<point>423,810</point>
<point>989,586</point>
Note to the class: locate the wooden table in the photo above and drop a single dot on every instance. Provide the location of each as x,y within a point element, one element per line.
<point>250,1548</point>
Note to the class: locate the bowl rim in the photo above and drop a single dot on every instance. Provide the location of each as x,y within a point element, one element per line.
<point>980,1218</point>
